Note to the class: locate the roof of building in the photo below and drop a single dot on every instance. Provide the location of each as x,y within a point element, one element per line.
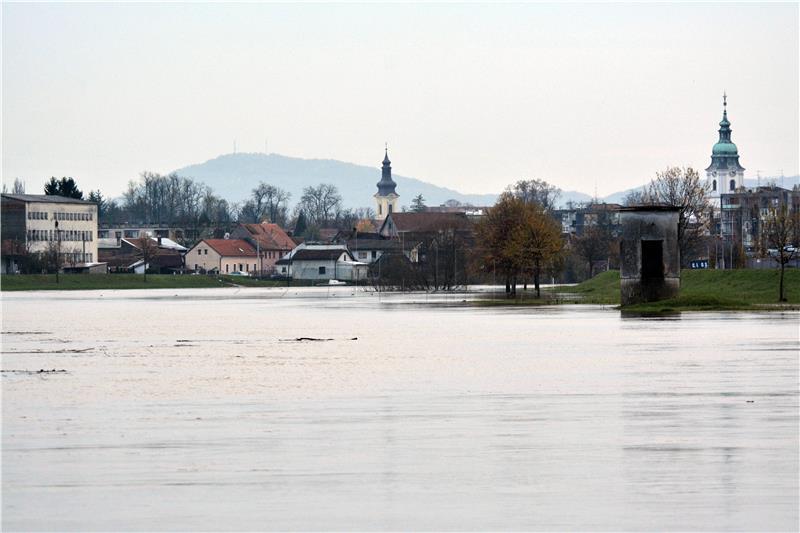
<point>383,244</point>
<point>327,234</point>
<point>270,236</point>
<point>632,208</point>
<point>317,254</point>
<point>162,242</point>
<point>422,222</point>
<point>46,198</point>
<point>231,247</point>
<point>386,186</point>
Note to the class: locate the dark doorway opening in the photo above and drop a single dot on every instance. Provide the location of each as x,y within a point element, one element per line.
<point>652,260</point>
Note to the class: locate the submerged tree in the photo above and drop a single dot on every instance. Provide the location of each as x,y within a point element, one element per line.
<point>517,237</point>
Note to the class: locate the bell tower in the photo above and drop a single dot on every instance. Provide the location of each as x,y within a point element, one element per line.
<point>725,174</point>
<point>386,197</point>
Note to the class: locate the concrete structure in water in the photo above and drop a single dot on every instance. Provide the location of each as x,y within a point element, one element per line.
<point>650,263</point>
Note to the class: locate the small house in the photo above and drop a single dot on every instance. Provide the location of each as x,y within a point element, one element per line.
<point>222,256</point>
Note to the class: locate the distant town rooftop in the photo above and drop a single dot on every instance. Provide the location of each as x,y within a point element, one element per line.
<point>648,207</point>
<point>46,198</point>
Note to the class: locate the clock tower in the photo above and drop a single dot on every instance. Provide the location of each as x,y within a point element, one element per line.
<point>725,174</point>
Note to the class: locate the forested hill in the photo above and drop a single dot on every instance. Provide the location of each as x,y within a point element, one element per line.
<point>233,176</point>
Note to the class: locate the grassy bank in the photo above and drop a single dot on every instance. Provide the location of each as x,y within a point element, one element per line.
<point>75,282</point>
<point>702,290</point>
<point>34,282</point>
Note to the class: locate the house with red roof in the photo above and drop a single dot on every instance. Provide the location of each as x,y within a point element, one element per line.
<point>222,256</point>
<point>269,240</point>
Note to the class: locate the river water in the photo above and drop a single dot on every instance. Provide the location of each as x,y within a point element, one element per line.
<point>201,410</point>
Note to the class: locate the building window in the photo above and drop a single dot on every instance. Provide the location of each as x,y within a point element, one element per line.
<point>226,267</point>
<point>380,209</point>
<point>374,254</point>
<point>321,270</point>
<point>714,185</point>
<point>390,209</point>
<point>205,251</point>
<point>199,251</point>
<point>733,184</point>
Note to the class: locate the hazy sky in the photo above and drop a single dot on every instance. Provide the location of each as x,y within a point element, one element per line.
<point>468,96</point>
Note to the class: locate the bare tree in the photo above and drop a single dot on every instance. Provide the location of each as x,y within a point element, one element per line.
<point>537,192</point>
<point>780,235</point>
<point>321,204</point>
<point>148,249</point>
<point>593,245</point>
<point>19,187</point>
<point>681,188</point>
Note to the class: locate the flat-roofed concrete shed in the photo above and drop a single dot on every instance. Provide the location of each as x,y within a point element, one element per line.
<point>650,263</point>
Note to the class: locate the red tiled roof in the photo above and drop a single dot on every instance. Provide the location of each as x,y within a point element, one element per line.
<point>421,222</point>
<point>231,247</point>
<point>270,236</point>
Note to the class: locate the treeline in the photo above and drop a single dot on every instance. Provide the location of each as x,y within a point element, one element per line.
<point>173,200</point>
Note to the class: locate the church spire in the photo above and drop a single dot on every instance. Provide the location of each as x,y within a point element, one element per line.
<point>386,185</point>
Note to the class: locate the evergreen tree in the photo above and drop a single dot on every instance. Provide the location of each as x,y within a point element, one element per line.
<point>418,204</point>
<point>64,187</point>
<point>301,225</point>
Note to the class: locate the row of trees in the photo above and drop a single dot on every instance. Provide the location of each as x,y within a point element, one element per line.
<point>174,200</point>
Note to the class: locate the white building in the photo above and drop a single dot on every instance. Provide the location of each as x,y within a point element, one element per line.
<point>321,262</point>
<point>37,223</point>
<point>724,174</point>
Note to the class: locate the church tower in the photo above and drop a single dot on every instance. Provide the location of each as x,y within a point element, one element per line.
<point>725,174</point>
<point>386,197</point>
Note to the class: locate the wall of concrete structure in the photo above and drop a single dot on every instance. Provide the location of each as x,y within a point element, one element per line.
<point>650,266</point>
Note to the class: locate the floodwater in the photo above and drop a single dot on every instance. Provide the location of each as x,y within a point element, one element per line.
<point>201,410</point>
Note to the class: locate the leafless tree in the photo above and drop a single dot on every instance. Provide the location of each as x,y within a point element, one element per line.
<point>321,204</point>
<point>781,236</point>
<point>593,245</point>
<point>681,188</point>
<point>148,250</point>
<point>537,192</point>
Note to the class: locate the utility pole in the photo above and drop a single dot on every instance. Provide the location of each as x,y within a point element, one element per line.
<point>58,251</point>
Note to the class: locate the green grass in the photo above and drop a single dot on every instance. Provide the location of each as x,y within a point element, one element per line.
<point>31,282</point>
<point>36,282</point>
<point>702,290</point>
<point>601,289</point>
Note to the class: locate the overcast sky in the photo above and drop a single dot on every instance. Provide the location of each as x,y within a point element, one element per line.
<point>468,96</point>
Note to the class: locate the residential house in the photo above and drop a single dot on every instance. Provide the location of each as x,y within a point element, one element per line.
<point>165,255</point>
<point>270,241</point>
<point>322,262</point>
<point>222,256</point>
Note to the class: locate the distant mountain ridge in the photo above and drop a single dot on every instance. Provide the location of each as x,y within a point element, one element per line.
<point>234,176</point>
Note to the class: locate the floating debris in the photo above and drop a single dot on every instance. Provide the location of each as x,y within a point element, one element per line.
<point>313,339</point>
<point>40,371</point>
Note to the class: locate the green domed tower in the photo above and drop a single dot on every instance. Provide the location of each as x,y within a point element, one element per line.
<point>724,174</point>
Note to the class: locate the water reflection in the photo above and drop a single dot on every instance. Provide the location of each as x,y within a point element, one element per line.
<point>204,411</point>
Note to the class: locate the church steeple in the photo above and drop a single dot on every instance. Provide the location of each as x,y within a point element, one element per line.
<point>386,197</point>
<point>724,174</point>
<point>386,185</point>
